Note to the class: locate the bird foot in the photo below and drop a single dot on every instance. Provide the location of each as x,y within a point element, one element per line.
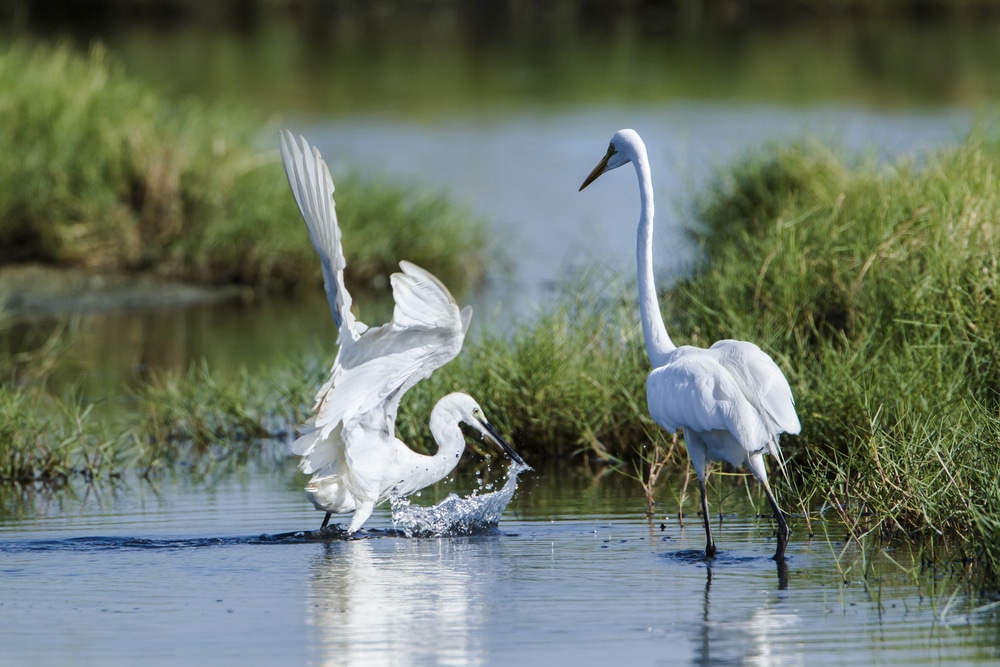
<point>333,531</point>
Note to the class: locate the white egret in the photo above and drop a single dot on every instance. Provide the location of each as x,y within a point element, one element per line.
<point>350,444</point>
<point>731,399</point>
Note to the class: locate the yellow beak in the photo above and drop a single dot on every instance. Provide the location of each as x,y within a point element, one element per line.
<point>598,170</point>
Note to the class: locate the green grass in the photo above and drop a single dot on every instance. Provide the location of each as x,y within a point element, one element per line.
<point>46,438</point>
<point>876,287</point>
<point>99,171</point>
<point>191,421</point>
<point>568,387</point>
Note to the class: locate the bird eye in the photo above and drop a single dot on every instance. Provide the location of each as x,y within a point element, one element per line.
<point>611,149</point>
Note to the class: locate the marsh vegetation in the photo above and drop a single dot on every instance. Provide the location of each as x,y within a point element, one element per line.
<point>876,284</point>
<point>873,284</point>
<point>100,171</point>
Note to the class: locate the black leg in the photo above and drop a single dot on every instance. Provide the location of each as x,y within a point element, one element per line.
<point>782,525</point>
<point>782,574</point>
<point>710,547</point>
<point>326,520</point>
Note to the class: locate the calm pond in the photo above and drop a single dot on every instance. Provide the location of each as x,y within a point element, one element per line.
<point>188,568</point>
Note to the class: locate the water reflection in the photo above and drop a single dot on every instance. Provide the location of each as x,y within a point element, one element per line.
<point>735,639</point>
<point>409,63</point>
<point>401,602</point>
<point>575,577</point>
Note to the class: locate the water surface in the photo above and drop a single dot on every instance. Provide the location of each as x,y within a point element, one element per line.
<point>194,572</point>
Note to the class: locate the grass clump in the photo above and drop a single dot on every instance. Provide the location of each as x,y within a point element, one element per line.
<point>98,171</point>
<point>193,420</point>
<point>568,385</point>
<point>876,286</point>
<point>46,438</point>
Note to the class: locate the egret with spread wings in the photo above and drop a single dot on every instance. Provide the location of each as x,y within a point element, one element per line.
<point>731,399</point>
<point>350,445</point>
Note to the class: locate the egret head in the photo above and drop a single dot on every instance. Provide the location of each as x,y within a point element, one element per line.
<point>467,410</point>
<point>623,148</point>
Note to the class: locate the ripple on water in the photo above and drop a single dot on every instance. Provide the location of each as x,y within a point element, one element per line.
<point>576,576</point>
<point>453,516</point>
<point>697,556</point>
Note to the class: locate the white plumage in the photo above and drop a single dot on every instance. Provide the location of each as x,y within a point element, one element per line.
<point>731,400</point>
<point>350,445</point>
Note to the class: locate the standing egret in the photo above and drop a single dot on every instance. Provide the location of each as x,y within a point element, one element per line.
<point>731,399</point>
<point>350,444</point>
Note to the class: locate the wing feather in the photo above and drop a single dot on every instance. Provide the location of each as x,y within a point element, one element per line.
<point>355,410</point>
<point>695,392</point>
<point>312,186</point>
<point>426,332</point>
<point>421,300</point>
<point>762,382</point>
<point>732,386</point>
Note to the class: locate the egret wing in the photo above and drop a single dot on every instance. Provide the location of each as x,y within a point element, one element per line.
<point>313,189</point>
<point>426,331</point>
<point>356,408</point>
<point>423,301</point>
<point>762,382</point>
<point>695,391</point>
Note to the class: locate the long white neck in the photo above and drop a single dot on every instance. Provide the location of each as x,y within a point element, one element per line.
<point>421,470</point>
<point>658,343</point>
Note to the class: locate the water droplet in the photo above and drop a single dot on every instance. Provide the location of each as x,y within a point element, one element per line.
<point>454,515</point>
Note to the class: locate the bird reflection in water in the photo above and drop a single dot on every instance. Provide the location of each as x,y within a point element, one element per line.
<point>401,602</point>
<point>746,641</point>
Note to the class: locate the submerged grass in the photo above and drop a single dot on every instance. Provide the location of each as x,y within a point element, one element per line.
<point>99,171</point>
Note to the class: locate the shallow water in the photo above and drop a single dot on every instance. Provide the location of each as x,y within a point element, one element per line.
<point>207,574</point>
<point>215,569</point>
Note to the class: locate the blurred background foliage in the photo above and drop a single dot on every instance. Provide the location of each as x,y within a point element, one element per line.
<point>419,58</point>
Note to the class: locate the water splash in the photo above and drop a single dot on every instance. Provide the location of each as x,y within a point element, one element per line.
<point>456,515</point>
